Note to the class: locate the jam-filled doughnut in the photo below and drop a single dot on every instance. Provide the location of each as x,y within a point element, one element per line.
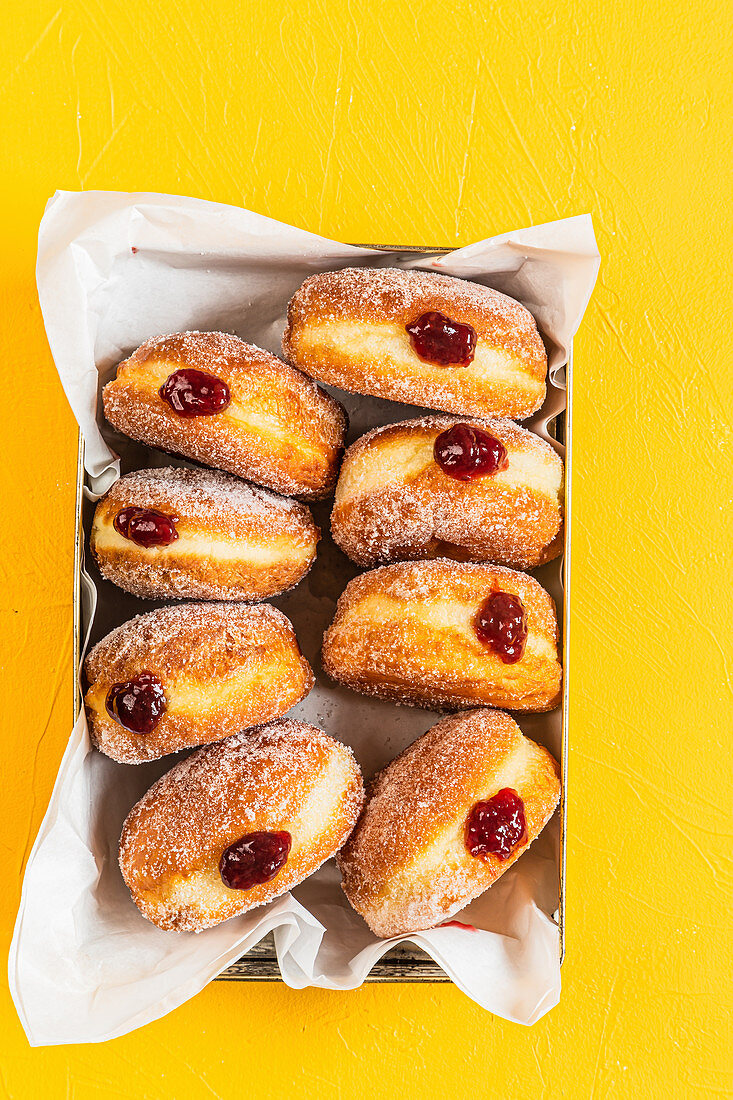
<point>419,337</point>
<point>445,819</point>
<point>210,397</point>
<point>473,490</point>
<point>446,634</point>
<point>200,535</point>
<point>239,823</point>
<point>191,674</point>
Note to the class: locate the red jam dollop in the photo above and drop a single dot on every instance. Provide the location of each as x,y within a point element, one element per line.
<point>439,340</point>
<point>501,623</point>
<point>146,526</point>
<point>254,859</point>
<point>139,704</point>
<point>497,826</point>
<point>195,393</point>
<point>463,453</point>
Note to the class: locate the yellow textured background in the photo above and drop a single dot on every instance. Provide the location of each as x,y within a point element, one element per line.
<point>437,123</point>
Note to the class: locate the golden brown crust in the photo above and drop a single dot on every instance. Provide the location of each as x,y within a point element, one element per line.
<point>235,541</point>
<point>280,430</point>
<point>347,328</point>
<point>393,501</point>
<point>285,776</point>
<point>224,667</point>
<point>405,632</point>
<point>406,866</point>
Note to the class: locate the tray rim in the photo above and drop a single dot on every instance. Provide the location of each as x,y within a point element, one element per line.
<point>391,967</point>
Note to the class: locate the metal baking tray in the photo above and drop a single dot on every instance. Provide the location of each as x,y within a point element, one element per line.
<point>405,963</point>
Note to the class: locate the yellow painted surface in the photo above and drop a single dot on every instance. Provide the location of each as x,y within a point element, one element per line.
<point>437,123</point>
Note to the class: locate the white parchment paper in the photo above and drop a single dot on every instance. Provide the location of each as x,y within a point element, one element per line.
<point>113,270</point>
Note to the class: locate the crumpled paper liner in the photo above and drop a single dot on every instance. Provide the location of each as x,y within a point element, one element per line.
<point>114,269</point>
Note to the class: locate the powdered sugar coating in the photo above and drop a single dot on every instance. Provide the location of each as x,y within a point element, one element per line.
<point>382,294</point>
<point>348,328</point>
<point>406,866</point>
<point>213,505</point>
<point>511,433</point>
<point>154,631</point>
<point>296,452</point>
<point>261,779</point>
<point>204,351</point>
<point>414,510</point>
<point>204,494</point>
<point>199,652</point>
<point>405,632</point>
<point>426,579</point>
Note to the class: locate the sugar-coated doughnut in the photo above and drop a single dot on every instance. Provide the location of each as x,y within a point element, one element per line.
<point>239,823</point>
<point>446,634</point>
<point>445,819</point>
<point>472,490</point>
<point>212,398</point>
<point>470,350</point>
<point>200,534</point>
<point>191,674</point>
